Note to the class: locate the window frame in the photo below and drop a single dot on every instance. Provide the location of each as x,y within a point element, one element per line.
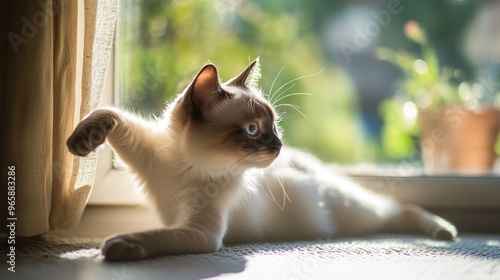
<point>112,185</point>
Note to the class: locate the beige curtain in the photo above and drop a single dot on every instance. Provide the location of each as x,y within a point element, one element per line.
<point>53,65</point>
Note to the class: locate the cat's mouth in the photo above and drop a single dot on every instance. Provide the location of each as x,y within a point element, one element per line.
<point>266,157</point>
<point>275,148</point>
<point>274,154</point>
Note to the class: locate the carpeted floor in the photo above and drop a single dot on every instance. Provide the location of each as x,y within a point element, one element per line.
<point>378,257</point>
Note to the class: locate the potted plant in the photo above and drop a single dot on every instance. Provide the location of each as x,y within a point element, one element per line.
<point>457,121</point>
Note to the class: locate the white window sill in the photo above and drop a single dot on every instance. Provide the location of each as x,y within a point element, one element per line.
<point>114,186</point>
<point>437,191</point>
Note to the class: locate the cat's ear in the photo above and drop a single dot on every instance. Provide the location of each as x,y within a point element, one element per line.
<point>249,77</point>
<point>205,91</point>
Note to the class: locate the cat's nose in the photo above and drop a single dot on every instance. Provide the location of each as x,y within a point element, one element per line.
<point>272,140</point>
<point>276,144</point>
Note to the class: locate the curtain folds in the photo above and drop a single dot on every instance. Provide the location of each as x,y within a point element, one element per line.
<point>48,83</point>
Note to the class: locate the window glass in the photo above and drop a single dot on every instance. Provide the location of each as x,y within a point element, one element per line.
<point>410,85</point>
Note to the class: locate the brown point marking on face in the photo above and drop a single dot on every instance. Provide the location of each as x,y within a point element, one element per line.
<point>223,134</point>
<point>211,117</point>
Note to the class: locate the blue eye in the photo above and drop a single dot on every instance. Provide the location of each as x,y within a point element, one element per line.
<point>251,129</point>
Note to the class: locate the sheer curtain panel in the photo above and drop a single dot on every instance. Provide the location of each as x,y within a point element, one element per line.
<point>53,63</point>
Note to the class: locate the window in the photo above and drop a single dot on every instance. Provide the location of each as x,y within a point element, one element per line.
<point>112,184</point>
<point>379,73</point>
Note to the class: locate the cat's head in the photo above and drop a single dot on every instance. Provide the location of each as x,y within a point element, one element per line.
<point>227,124</point>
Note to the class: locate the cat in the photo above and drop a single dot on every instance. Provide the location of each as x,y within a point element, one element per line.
<point>216,170</point>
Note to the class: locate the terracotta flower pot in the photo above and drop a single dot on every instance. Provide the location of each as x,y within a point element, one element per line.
<point>455,140</point>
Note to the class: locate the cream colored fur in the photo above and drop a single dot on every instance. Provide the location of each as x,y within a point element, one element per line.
<point>208,189</point>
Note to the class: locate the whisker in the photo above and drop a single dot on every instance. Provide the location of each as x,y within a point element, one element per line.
<point>262,188</point>
<point>272,85</point>
<point>267,183</point>
<point>295,107</point>
<point>275,201</point>
<point>299,78</point>
<point>285,195</point>
<point>282,115</point>
<point>241,161</point>
<point>290,94</point>
<point>278,95</point>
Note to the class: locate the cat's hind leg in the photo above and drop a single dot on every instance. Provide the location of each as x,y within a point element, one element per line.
<point>359,211</point>
<point>414,219</point>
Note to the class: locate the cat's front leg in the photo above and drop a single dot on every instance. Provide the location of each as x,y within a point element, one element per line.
<point>202,233</point>
<point>142,245</point>
<point>92,131</point>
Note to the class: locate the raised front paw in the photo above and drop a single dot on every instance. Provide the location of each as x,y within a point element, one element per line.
<point>91,133</point>
<point>121,248</point>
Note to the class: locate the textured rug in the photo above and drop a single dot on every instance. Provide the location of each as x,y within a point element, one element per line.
<point>378,257</point>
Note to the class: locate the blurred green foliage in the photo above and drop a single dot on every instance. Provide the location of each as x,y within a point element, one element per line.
<point>162,44</point>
